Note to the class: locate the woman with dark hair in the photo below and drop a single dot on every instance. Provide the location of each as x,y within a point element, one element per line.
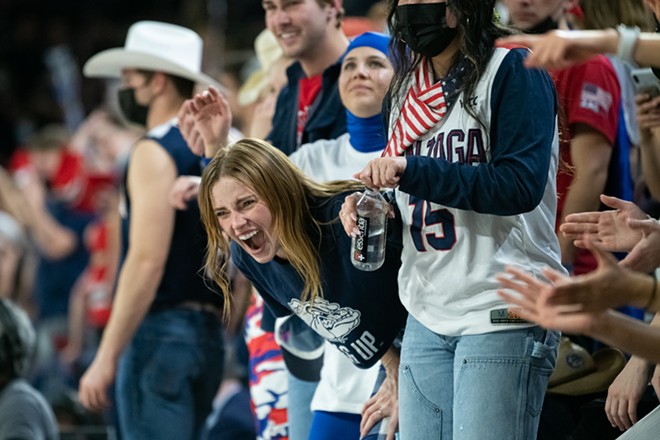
<point>472,153</point>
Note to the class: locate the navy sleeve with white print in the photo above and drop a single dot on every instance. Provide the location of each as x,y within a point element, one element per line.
<point>512,157</point>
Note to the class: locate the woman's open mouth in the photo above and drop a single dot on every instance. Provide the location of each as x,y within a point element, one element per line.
<point>253,240</point>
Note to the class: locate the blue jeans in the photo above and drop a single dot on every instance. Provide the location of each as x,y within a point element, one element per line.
<point>473,387</point>
<point>169,375</point>
<point>300,394</point>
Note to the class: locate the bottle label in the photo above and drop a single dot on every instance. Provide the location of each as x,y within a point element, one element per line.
<point>360,251</point>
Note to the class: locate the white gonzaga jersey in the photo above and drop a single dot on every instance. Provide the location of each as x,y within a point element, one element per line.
<point>475,198</point>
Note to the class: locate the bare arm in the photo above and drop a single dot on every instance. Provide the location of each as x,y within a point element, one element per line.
<point>624,394</point>
<point>613,328</point>
<point>151,174</point>
<point>560,49</point>
<point>590,153</point>
<point>631,335</point>
<point>54,240</point>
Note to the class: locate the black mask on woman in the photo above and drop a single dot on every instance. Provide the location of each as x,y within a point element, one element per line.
<point>424,28</point>
<point>130,108</point>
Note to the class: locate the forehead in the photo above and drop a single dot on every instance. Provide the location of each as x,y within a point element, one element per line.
<point>364,52</point>
<point>228,189</point>
<point>129,74</point>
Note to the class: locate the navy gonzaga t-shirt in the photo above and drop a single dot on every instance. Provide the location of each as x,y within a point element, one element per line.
<point>359,312</point>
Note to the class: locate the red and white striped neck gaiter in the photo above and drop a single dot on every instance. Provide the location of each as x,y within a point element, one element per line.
<point>423,107</point>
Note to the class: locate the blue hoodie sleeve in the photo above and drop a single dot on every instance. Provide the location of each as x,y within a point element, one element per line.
<point>523,109</point>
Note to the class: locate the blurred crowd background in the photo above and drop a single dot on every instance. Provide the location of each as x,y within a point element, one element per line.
<point>43,45</point>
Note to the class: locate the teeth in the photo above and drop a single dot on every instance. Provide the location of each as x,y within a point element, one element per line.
<point>286,35</point>
<point>248,235</point>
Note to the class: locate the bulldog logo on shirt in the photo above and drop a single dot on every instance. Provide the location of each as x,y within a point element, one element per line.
<point>329,320</point>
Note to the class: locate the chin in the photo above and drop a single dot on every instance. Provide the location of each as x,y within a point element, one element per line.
<point>261,257</point>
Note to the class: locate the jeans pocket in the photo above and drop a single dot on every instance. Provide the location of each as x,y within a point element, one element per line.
<point>426,416</point>
<point>543,360</point>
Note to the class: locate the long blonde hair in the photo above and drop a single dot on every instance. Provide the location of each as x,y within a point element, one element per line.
<point>287,193</point>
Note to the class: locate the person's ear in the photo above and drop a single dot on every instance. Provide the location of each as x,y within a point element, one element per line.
<point>158,82</point>
<point>338,9</point>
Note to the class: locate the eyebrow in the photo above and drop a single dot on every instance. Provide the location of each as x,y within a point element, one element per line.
<point>369,58</point>
<point>238,201</point>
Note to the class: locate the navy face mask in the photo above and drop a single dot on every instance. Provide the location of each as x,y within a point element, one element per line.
<point>424,28</point>
<point>130,108</point>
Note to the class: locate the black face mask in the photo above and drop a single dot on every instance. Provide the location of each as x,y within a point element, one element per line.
<point>541,28</point>
<point>424,28</point>
<point>130,108</point>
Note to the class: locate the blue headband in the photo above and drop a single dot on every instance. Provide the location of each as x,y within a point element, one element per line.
<point>370,39</point>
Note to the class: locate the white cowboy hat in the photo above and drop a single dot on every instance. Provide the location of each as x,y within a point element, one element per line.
<point>157,47</point>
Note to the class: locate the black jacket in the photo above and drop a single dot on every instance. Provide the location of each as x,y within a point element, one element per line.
<point>327,116</point>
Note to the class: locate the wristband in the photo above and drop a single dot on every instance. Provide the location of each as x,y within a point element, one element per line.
<point>627,41</point>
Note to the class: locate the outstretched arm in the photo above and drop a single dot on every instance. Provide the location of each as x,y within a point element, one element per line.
<point>613,328</point>
<point>560,49</point>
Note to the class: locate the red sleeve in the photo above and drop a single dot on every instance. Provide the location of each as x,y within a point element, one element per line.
<point>591,95</point>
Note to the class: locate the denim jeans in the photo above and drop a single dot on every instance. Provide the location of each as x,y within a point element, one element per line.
<point>300,394</point>
<point>169,375</point>
<point>473,387</point>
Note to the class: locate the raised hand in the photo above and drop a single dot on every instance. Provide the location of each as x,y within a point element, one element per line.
<point>188,130</point>
<point>530,301</point>
<point>645,255</point>
<point>213,118</point>
<point>608,229</point>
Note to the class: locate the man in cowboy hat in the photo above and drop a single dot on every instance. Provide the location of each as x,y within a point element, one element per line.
<point>163,343</point>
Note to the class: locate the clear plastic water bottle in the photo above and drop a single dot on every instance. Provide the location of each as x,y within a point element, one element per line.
<point>368,248</point>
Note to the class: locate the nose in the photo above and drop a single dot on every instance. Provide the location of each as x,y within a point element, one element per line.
<point>361,71</point>
<point>279,17</point>
<point>237,220</point>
